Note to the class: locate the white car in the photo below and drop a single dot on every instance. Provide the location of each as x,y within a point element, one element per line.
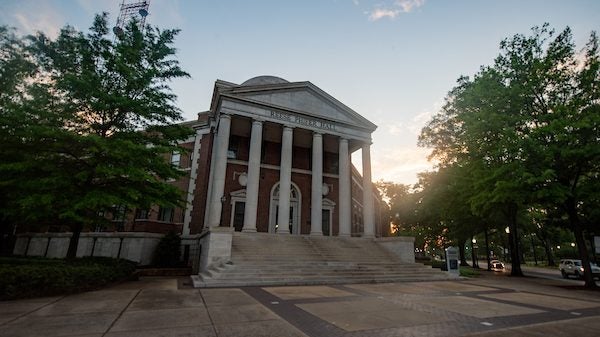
<point>496,265</point>
<point>573,267</point>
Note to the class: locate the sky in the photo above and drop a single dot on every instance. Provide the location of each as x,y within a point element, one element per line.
<point>392,61</point>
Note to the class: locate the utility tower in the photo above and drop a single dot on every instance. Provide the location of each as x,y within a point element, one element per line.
<point>131,11</point>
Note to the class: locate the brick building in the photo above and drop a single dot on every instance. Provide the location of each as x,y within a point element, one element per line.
<point>272,156</point>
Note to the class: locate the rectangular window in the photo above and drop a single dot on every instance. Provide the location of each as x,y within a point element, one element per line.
<point>141,213</point>
<point>166,214</point>
<point>234,144</point>
<point>175,158</point>
<point>118,213</point>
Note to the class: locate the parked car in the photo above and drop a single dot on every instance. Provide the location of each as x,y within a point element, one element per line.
<point>573,267</point>
<point>496,265</point>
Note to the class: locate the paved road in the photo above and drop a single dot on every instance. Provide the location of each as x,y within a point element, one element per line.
<point>490,305</point>
<point>546,273</point>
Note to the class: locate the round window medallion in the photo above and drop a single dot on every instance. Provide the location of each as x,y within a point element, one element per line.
<point>243,179</point>
<point>325,189</point>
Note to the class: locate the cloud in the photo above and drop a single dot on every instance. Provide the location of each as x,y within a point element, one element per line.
<point>400,164</point>
<point>87,6</point>
<point>395,9</point>
<point>380,13</point>
<point>407,6</point>
<point>47,21</point>
<point>421,119</point>
<point>395,129</point>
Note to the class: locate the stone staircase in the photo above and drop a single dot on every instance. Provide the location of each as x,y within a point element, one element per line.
<point>260,259</point>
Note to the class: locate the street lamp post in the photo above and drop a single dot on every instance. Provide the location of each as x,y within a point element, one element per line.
<point>474,253</point>
<point>506,249</point>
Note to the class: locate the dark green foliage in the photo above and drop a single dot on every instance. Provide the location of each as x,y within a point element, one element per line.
<point>168,251</point>
<point>35,277</point>
<point>98,113</point>
<point>520,137</point>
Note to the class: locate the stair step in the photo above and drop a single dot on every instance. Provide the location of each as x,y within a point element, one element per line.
<point>260,259</point>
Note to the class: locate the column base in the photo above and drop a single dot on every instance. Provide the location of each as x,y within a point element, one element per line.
<point>316,233</point>
<point>344,235</point>
<point>287,232</point>
<point>248,230</point>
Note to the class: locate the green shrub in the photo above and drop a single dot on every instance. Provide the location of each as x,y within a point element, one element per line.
<point>34,277</point>
<point>168,251</point>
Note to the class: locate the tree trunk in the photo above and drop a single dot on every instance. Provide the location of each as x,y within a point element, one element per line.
<point>487,250</point>
<point>514,243</point>
<point>571,207</point>
<point>549,256</point>
<point>74,242</point>
<point>533,249</point>
<point>593,245</point>
<point>461,253</point>
<point>6,238</point>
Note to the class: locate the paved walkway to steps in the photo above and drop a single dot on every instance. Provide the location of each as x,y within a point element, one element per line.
<point>491,305</point>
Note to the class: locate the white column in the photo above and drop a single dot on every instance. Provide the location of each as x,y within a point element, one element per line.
<point>253,178</point>
<point>368,215</point>
<point>316,216</point>
<point>345,193</point>
<point>219,170</point>
<point>285,181</point>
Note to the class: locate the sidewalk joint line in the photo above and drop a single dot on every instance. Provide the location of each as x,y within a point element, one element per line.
<point>212,323</point>
<point>121,313</point>
<point>32,311</point>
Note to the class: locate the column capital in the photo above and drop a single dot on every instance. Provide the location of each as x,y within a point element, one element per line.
<point>288,127</point>
<point>257,121</point>
<point>317,134</point>
<point>224,115</point>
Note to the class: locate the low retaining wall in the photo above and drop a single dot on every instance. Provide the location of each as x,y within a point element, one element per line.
<point>135,246</point>
<point>401,246</point>
<point>215,245</point>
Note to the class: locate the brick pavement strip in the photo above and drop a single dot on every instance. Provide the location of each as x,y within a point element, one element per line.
<point>488,306</point>
<point>443,308</point>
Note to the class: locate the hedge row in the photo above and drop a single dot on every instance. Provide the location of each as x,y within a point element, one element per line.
<point>35,277</point>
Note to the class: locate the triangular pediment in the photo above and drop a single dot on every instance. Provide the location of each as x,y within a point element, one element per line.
<point>298,97</point>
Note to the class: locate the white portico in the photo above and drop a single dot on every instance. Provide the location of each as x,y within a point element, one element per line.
<point>280,160</point>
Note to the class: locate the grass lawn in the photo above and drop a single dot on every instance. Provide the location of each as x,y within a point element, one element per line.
<point>468,272</point>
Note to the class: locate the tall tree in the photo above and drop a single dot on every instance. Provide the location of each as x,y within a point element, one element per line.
<point>15,71</point>
<point>101,124</point>
<point>561,89</point>
<point>528,126</point>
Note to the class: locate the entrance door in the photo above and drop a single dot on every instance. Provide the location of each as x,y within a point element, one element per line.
<point>326,226</point>
<point>238,215</point>
<point>295,206</point>
<point>293,221</point>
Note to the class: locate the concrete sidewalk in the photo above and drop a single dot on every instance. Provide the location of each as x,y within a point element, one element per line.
<point>492,305</point>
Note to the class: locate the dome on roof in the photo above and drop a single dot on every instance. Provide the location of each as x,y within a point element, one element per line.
<point>262,80</point>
